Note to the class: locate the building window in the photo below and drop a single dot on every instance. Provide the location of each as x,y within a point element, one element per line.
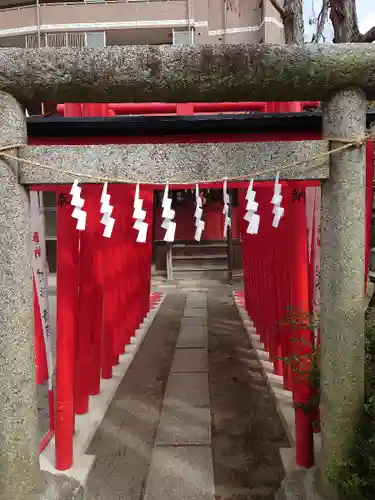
<point>182,37</point>
<point>95,39</point>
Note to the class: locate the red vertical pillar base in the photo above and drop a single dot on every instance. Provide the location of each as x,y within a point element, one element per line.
<point>304,439</point>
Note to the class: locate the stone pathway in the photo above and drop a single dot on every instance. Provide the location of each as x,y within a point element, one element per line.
<point>181,465</point>
<point>193,419</point>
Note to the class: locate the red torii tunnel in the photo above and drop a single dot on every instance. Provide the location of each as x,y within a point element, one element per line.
<point>190,108</point>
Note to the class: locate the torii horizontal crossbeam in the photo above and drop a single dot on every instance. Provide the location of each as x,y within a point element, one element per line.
<point>187,73</point>
<point>177,163</point>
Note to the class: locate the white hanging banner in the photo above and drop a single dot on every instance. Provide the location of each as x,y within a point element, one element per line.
<point>106,209</point>
<point>139,215</point>
<point>226,203</point>
<point>168,215</point>
<point>199,223</point>
<point>277,198</point>
<point>251,207</point>
<point>39,268</point>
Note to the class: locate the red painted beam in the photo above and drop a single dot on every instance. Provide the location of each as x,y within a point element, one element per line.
<point>198,107</point>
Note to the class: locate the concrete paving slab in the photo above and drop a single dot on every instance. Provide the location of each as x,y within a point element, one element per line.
<point>197,302</point>
<point>180,472</point>
<point>197,296</point>
<point>201,321</point>
<point>190,360</point>
<point>195,312</point>
<point>185,426</point>
<point>196,305</point>
<point>189,388</point>
<point>193,337</point>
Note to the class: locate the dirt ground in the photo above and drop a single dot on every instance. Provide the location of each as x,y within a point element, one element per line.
<point>246,429</point>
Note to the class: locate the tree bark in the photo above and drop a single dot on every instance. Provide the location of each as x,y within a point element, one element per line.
<point>343,15</point>
<point>291,13</point>
<point>321,21</point>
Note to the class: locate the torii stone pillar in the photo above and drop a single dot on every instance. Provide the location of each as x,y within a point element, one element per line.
<point>19,462</point>
<point>342,281</point>
<point>342,311</point>
<point>20,475</point>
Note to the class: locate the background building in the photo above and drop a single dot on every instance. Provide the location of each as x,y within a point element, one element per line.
<point>93,23</point>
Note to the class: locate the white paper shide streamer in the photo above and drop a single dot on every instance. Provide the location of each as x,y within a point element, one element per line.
<point>78,204</point>
<point>106,210</point>
<point>226,202</point>
<point>199,223</point>
<point>251,208</point>
<point>139,215</point>
<point>168,215</point>
<point>278,210</point>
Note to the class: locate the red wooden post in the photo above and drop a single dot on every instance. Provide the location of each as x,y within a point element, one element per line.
<point>86,290</point>
<point>67,300</point>
<point>71,109</point>
<point>97,295</point>
<point>108,319</point>
<point>303,336</point>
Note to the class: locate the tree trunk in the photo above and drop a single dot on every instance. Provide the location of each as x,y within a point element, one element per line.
<point>345,23</point>
<point>291,13</point>
<point>293,22</point>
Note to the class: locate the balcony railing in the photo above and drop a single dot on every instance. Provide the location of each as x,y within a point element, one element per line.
<point>56,40</point>
<point>32,3</point>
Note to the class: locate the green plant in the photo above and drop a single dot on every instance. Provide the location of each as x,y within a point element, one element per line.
<point>355,477</point>
<point>305,363</point>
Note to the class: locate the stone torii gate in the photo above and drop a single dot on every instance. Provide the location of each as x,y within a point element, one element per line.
<point>340,75</point>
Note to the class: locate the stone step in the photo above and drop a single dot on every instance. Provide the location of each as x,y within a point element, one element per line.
<point>198,267</point>
<point>199,249</point>
<point>199,264</point>
<point>202,258</point>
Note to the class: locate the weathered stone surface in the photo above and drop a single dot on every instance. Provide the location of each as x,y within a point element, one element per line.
<point>302,484</point>
<point>342,281</point>
<point>19,458</point>
<point>60,487</point>
<point>170,73</point>
<point>184,425</point>
<point>174,162</point>
<point>181,472</point>
<point>190,361</point>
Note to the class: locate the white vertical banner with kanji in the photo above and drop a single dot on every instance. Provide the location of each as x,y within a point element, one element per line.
<point>39,268</point>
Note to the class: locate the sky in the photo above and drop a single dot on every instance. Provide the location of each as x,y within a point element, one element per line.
<point>365,12</point>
